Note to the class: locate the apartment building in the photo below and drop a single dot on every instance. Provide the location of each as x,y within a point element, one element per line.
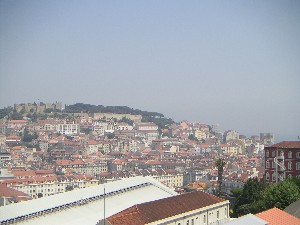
<point>37,187</point>
<point>88,167</point>
<point>146,126</point>
<point>282,160</point>
<point>67,128</point>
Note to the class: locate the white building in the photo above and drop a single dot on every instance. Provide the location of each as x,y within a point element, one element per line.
<point>231,135</point>
<point>170,180</point>
<point>37,187</point>
<point>123,126</point>
<point>146,126</point>
<point>148,135</point>
<point>67,128</point>
<point>85,206</point>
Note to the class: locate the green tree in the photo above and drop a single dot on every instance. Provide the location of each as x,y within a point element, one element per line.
<point>192,137</point>
<point>253,192</point>
<point>282,194</point>
<point>69,188</point>
<point>26,136</point>
<point>220,165</point>
<point>5,112</point>
<point>16,116</point>
<point>236,192</point>
<point>40,195</point>
<point>110,135</point>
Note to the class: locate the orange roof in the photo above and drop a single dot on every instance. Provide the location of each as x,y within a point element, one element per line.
<point>63,162</point>
<point>13,138</point>
<point>23,173</point>
<point>287,144</point>
<point>17,121</point>
<point>150,212</point>
<point>17,147</point>
<point>10,192</point>
<point>153,162</point>
<point>44,172</point>
<point>278,217</point>
<point>92,142</point>
<point>77,162</point>
<point>69,170</point>
<point>53,141</point>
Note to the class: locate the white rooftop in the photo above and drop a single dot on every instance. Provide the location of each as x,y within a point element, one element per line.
<point>120,195</point>
<point>248,219</point>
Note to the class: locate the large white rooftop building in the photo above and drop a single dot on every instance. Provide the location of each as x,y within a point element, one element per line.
<point>85,206</point>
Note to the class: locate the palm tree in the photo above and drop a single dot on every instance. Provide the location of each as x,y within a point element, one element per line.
<point>220,165</point>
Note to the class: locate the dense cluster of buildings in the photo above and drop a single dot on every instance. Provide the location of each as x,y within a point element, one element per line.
<point>59,155</point>
<point>87,149</point>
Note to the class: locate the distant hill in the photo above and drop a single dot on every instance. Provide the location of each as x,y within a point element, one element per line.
<point>88,108</point>
<point>154,117</point>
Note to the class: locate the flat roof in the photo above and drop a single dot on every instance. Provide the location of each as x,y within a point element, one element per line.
<point>120,195</point>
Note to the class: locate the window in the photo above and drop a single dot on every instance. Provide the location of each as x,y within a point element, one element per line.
<point>273,176</point>
<point>204,219</point>
<point>298,154</point>
<point>218,214</point>
<point>273,153</point>
<point>187,222</point>
<point>267,153</point>
<point>290,165</point>
<point>290,154</point>
<point>267,176</point>
<point>225,212</point>
<point>273,164</point>
<point>267,164</point>
<point>298,166</point>
<point>192,221</point>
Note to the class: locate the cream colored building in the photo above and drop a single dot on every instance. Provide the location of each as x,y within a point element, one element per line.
<point>231,135</point>
<point>170,180</point>
<point>45,186</point>
<point>117,116</point>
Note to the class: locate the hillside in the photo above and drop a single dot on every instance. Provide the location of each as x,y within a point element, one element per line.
<point>154,117</point>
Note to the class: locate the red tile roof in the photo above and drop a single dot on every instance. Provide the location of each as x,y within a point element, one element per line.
<point>287,144</point>
<point>10,192</point>
<point>24,173</point>
<point>156,210</point>
<point>278,217</point>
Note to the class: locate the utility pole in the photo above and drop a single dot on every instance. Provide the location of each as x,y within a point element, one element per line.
<point>104,203</point>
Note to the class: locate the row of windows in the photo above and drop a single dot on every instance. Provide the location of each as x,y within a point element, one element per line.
<point>279,176</point>
<point>290,154</point>
<point>289,167</point>
<point>204,218</point>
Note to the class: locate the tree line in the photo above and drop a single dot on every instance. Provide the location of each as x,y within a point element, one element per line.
<point>257,196</point>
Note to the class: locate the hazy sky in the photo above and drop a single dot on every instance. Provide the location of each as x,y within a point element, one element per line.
<point>236,63</point>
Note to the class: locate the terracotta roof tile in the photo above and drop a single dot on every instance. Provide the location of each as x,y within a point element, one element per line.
<point>278,217</point>
<point>156,210</point>
<point>287,144</point>
<point>10,192</point>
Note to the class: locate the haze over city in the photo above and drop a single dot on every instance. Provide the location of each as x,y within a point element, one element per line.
<point>235,63</point>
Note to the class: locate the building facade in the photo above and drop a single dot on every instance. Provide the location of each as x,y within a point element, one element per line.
<point>194,208</point>
<point>282,160</point>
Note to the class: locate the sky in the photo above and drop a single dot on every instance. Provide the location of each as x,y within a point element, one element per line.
<point>235,63</point>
